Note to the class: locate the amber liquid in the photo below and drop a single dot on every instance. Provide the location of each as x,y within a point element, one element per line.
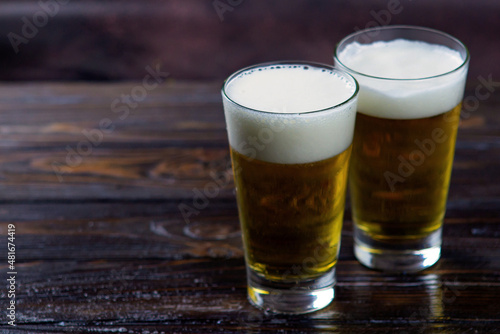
<point>400,173</point>
<point>291,215</point>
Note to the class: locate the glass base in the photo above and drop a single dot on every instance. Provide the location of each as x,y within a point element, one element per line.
<point>401,256</point>
<point>291,297</point>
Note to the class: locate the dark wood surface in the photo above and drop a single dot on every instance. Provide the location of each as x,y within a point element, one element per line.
<point>102,247</point>
<point>117,39</point>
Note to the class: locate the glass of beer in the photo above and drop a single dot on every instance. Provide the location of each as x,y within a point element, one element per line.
<point>412,83</point>
<point>290,127</point>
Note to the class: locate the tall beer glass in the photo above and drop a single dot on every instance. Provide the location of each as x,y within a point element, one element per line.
<point>411,86</point>
<point>290,127</point>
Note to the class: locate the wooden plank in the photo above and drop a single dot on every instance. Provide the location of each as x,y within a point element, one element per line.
<point>173,143</point>
<point>211,234</point>
<point>202,292</point>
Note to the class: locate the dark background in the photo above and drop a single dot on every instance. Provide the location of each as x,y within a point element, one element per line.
<point>116,39</point>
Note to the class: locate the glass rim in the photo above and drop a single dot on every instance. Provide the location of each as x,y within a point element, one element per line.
<point>293,62</point>
<point>403,27</point>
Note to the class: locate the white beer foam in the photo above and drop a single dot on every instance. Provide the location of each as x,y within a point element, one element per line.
<point>270,116</point>
<point>417,89</point>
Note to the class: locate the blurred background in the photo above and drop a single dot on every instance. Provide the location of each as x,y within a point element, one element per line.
<point>100,40</point>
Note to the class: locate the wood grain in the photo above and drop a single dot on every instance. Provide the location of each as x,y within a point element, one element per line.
<point>103,246</point>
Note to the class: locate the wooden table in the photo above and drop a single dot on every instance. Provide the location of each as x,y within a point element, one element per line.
<point>94,179</point>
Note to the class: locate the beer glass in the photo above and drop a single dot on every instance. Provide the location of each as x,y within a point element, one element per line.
<point>412,82</point>
<point>290,127</point>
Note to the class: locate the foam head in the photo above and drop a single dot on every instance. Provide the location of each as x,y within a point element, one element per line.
<point>290,113</point>
<point>405,79</point>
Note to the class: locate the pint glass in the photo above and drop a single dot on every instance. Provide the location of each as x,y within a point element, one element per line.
<point>411,86</point>
<point>290,127</point>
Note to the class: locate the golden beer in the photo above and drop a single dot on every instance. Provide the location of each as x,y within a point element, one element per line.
<point>400,173</point>
<point>290,128</point>
<point>291,215</point>
<point>411,81</point>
